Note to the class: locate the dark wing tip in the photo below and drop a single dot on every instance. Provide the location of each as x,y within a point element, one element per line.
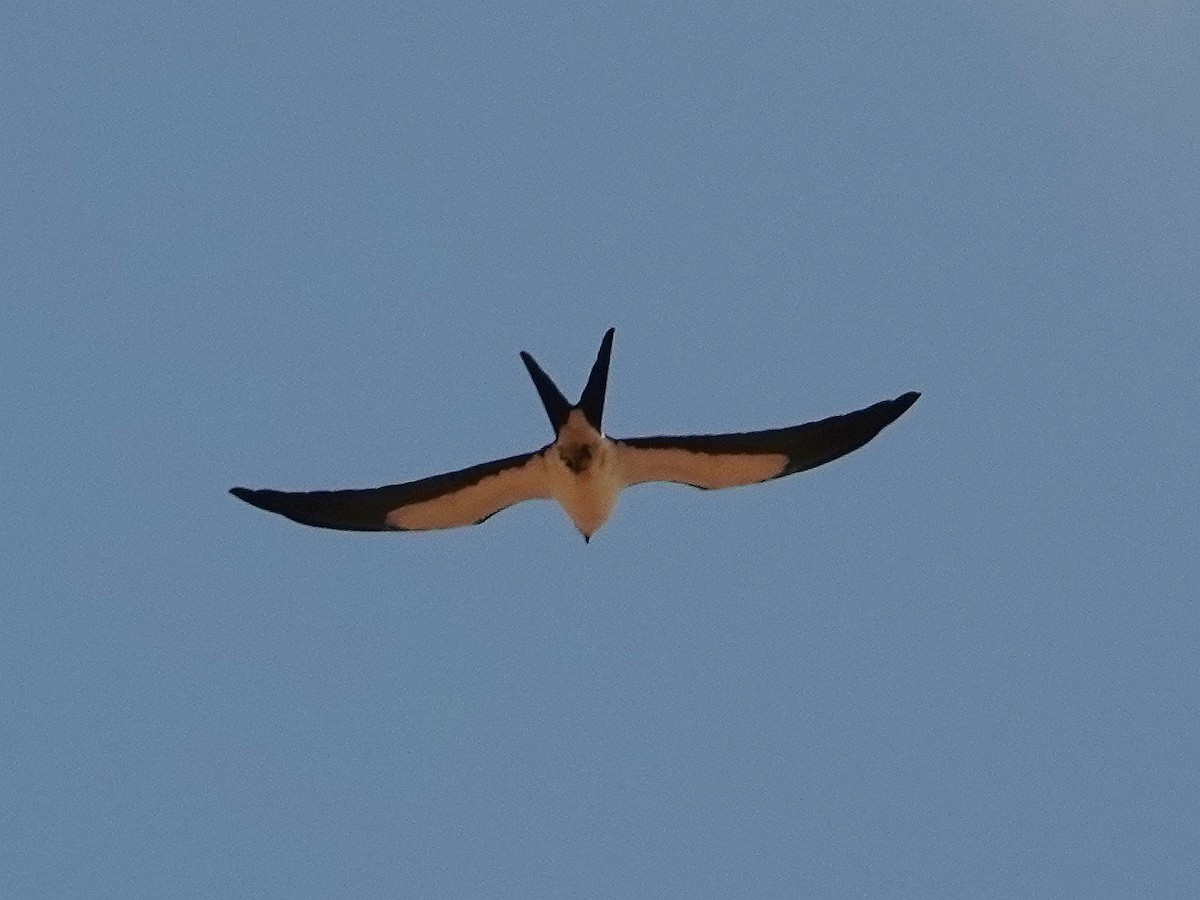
<point>256,498</point>
<point>902,403</point>
<point>253,497</point>
<point>874,419</point>
<point>339,510</point>
<point>818,443</point>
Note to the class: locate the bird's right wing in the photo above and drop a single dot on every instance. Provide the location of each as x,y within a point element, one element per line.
<point>727,460</point>
<point>465,497</point>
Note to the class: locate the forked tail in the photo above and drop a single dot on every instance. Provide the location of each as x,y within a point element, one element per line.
<point>591,402</point>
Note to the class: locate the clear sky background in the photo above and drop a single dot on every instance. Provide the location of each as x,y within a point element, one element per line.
<point>300,246</point>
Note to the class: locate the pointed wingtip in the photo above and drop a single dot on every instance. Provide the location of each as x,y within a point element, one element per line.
<point>248,495</point>
<point>904,401</point>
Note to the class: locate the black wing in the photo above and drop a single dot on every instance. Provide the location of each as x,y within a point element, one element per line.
<point>465,497</point>
<point>726,460</point>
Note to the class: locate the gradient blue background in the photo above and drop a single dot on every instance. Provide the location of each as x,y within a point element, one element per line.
<point>300,245</point>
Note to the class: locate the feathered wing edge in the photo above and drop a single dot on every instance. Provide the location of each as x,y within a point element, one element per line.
<point>727,460</point>
<point>464,497</point>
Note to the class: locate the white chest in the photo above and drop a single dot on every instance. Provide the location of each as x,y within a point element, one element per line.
<point>588,497</point>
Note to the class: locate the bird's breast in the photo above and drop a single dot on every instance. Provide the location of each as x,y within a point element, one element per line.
<point>587,497</point>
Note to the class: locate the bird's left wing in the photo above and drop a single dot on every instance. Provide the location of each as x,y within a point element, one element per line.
<point>727,460</point>
<point>465,497</point>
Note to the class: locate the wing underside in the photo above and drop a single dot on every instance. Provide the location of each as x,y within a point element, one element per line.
<point>465,497</point>
<point>712,461</point>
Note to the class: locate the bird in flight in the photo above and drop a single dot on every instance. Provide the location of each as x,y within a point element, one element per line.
<point>581,468</point>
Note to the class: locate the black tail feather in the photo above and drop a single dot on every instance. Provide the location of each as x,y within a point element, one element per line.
<point>592,399</point>
<point>557,407</point>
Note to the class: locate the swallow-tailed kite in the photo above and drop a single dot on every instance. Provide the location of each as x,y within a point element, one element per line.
<point>582,469</point>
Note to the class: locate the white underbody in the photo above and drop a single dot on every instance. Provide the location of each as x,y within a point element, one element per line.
<point>587,496</point>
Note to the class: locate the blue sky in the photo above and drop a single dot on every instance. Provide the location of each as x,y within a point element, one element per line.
<point>300,246</point>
